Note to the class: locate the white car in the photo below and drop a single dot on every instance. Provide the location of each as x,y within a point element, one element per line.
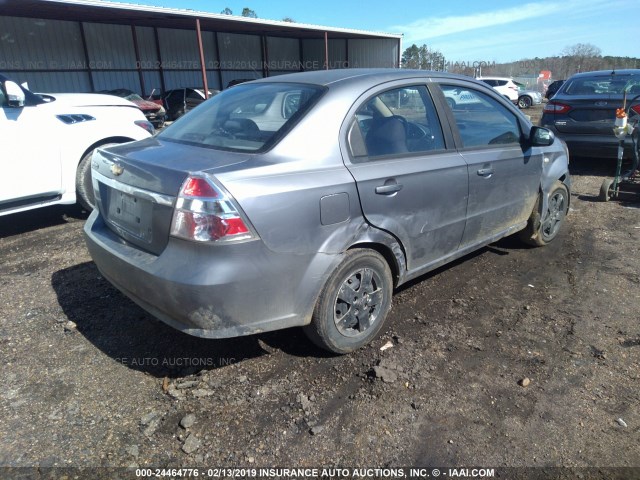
<point>48,140</point>
<point>504,85</point>
<point>460,98</point>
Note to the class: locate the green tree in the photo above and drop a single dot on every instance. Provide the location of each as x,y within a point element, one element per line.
<point>227,11</point>
<point>247,12</point>
<point>288,19</point>
<point>422,58</point>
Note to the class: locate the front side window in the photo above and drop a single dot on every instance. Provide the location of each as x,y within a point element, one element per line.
<point>482,120</point>
<point>248,118</point>
<point>399,121</point>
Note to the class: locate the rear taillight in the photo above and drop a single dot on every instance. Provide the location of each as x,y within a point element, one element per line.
<point>636,108</point>
<point>554,107</point>
<point>205,212</point>
<point>146,125</point>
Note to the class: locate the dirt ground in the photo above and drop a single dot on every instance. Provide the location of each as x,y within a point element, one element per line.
<point>511,357</point>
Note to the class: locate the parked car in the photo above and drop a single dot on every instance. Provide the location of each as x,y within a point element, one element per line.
<point>155,113</point>
<point>179,101</point>
<point>238,81</point>
<point>305,199</point>
<point>506,86</point>
<point>48,140</point>
<point>553,88</point>
<point>583,111</point>
<point>527,97</point>
<point>460,98</point>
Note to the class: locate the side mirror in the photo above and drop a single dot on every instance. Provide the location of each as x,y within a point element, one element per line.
<point>15,95</point>
<point>541,137</point>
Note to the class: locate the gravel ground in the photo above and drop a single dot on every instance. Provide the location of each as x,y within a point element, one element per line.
<point>511,357</point>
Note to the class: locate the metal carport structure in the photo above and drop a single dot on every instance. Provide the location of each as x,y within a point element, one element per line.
<point>89,45</point>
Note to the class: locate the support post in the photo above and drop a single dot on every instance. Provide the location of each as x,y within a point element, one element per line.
<point>326,51</point>
<point>202,64</point>
<point>136,49</point>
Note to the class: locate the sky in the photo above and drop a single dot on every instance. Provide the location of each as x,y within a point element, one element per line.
<point>463,30</point>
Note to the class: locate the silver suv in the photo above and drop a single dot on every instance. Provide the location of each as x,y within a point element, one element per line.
<point>305,199</point>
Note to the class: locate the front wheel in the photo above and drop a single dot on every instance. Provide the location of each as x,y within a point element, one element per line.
<point>543,229</point>
<point>354,303</point>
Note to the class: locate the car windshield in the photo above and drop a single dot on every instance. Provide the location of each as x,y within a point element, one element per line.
<point>604,85</point>
<point>250,117</point>
<point>134,97</point>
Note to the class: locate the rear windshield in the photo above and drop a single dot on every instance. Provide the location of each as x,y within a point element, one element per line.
<point>604,85</point>
<point>247,118</point>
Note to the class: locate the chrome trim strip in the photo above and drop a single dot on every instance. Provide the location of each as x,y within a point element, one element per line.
<point>166,200</point>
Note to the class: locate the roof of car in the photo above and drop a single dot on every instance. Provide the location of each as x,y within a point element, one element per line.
<point>598,73</point>
<point>328,77</point>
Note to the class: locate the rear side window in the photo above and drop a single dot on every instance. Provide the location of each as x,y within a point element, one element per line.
<point>481,119</point>
<point>248,118</point>
<point>397,122</point>
<point>603,85</point>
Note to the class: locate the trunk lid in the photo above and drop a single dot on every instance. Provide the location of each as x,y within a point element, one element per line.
<point>136,185</point>
<point>588,116</point>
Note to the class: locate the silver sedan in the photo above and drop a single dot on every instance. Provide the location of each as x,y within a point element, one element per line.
<point>305,199</point>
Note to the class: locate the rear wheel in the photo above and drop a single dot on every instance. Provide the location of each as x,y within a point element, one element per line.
<point>84,187</point>
<point>354,303</point>
<point>605,190</point>
<point>180,112</point>
<point>543,229</point>
<point>524,102</point>
<point>451,102</point>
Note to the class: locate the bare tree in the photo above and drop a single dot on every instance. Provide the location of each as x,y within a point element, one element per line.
<point>581,57</point>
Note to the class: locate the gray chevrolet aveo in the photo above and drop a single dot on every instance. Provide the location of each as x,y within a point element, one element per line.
<point>305,199</point>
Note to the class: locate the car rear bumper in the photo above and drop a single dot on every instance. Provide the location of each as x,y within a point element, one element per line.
<point>212,291</point>
<point>605,146</point>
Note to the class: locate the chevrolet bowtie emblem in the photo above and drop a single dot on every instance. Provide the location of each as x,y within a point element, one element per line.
<point>117,169</point>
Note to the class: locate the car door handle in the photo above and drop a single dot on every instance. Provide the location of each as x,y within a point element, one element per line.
<point>485,172</point>
<point>388,189</point>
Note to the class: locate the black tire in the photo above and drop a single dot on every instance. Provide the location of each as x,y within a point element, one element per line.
<point>524,102</point>
<point>84,187</point>
<point>353,304</point>
<point>605,190</point>
<point>180,112</point>
<point>543,229</point>
<point>451,102</point>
